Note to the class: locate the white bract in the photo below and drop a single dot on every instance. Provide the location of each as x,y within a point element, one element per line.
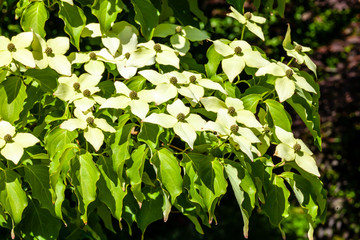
<point>51,53</point>
<point>151,52</point>
<point>93,127</point>
<point>291,149</point>
<point>234,108</point>
<point>80,90</point>
<point>93,63</point>
<point>16,48</point>
<point>286,80</point>
<point>180,36</point>
<point>184,123</point>
<point>226,127</point>
<point>238,54</point>
<point>298,51</point>
<point>12,144</point>
<point>138,101</point>
<point>250,21</point>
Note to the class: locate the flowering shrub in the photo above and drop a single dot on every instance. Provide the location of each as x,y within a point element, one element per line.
<point>137,127</point>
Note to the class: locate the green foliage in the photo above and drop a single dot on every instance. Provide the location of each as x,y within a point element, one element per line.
<point>131,126</point>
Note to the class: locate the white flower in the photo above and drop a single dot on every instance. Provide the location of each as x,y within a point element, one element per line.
<point>16,49</point>
<point>286,79</point>
<point>138,101</point>
<point>226,127</point>
<point>51,53</point>
<point>291,149</point>
<point>93,63</point>
<point>184,123</point>
<point>12,144</point>
<point>80,90</point>
<point>92,127</point>
<point>238,54</point>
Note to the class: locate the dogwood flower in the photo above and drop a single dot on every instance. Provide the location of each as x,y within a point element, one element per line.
<point>51,53</point>
<point>298,51</point>
<point>180,35</point>
<point>80,90</point>
<point>138,101</point>
<point>286,80</point>
<point>184,123</point>
<point>250,21</point>
<point>226,127</point>
<point>238,54</point>
<point>291,149</point>
<point>16,49</point>
<point>93,64</point>
<point>12,144</point>
<point>93,127</point>
<point>234,108</point>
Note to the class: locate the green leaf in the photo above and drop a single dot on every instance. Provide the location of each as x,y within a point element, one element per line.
<point>38,178</point>
<point>244,190</point>
<point>214,59</point>
<point>181,11</point>
<point>13,95</point>
<point>149,134</point>
<point>278,114</point>
<point>84,176</point>
<point>310,116</point>
<point>38,223</point>
<point>251,101</point>
<point>34,18</point>
<point>111,191</point>
<point>74,19</point>
<point>281,7</point>
<point>276,203</point>
<point>12,197</point>
<point>150,210</point>
<point>238,4</point>
<point>168,171</point>
<point>57,139</point>
<point>47,78</point>
<point>194,8</point>
<point>106,12</point>
<point>146,16</point>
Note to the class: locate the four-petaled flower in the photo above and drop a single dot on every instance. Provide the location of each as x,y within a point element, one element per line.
<point>16,49</point>
<point>184,123</point>
<point>12,144</point>
<point>226,127</point>
<point>138,101</point>
<point>238,54</point>
<point>250,21</point>
<point>286,80</point>
<point>291,149</point>
<point>92,127</point>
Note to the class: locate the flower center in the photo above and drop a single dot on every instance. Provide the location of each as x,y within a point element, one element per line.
<point>247,15</point>
<point>8,138</point>
<point>234,128</point>
<point>11,47</point>
<point>181,117</point>
<point>86,93</point>
<point>173,80</point>
<point>157,48</point>
<point>289,73</point>
<point>178,29</point>
<point>231,111</point>
<point>298,48</point>
<point>238,50</point>
<point>92,56</point>
<point>297,147</point>
<point>192,78</point>
<point>133,95</point>
<point>266,129</point>
<point>76,86</point>
<point>48,51</point>
<point>127,55</point>
<point>90,121</point>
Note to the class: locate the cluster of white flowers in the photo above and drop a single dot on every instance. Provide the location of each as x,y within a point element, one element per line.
<point>174,88</point>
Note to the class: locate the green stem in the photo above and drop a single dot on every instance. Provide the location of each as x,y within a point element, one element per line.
<point>290,61</point>
<point>242,32</point>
